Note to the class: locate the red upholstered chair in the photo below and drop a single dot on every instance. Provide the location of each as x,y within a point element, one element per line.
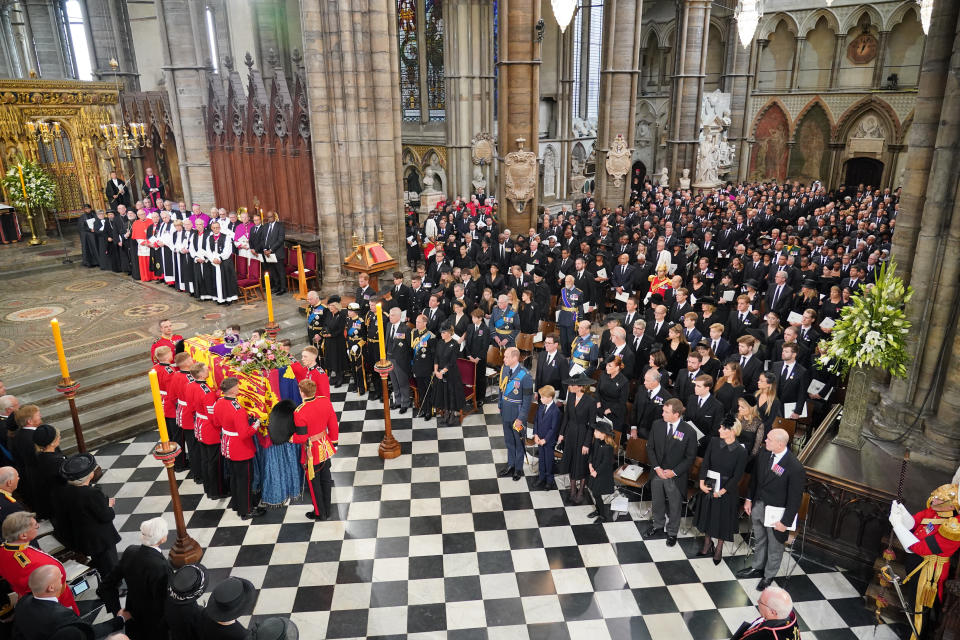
<point>243,265</point>
<point>250,287</point>
<point>310,268</point>
<point>468,376</point>
<point>291,260</point>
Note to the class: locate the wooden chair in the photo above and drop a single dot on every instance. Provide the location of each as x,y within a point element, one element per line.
<point>788,425</point>
<point>693,488</point>
<point>494,357</point>
<point>636,451</point>
<point>251,287</point>
<point>800,534</point>
<point>242,265</point>
<point>468,376</point>
<point>525,343</point>
<point>414,393</point>
<point>545,328</point>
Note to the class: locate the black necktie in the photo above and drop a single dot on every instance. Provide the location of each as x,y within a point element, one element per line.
<point>743,361</point>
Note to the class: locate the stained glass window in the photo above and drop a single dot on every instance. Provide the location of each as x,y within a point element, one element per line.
<point>436,89</point>
<point>409,59</point>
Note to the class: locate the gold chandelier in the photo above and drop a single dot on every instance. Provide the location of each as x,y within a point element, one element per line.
<point>125,138</point>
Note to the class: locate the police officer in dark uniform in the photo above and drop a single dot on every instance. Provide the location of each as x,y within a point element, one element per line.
<point>334,342</point>
<point>356,339</point>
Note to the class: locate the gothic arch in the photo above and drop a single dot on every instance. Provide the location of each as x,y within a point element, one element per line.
<point>667,31</point>
<point>818,101</point>
<point>886,113</point>
<point>769,25</point>
<point>810,22</point>
<point>658,31</point>
<point>721,25</point>
<point>876,20</point>
<point>903,137</point>
<point>773,102</point>
<point>900,12</point>
<point>769,152</point>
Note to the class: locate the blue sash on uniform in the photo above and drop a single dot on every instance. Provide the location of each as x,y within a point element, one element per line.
<point>502,319</point>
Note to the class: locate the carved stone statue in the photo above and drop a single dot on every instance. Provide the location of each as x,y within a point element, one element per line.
<point>664,180</point>
<point>715,154</point>
<point>479,182</point>
<point>618,160</point>
<point>434,178</point>
<point>685,179</point>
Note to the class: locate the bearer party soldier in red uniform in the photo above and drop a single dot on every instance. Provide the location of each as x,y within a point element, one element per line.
<point>167,339</point>
<point>201,398</point>
<point>237,431</point>
<point>309,369</point>
<point>317,429</point>
<point>172,407</point>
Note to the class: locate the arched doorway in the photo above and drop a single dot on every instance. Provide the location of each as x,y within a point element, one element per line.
<point>639,170</point>
<point>866,171</point>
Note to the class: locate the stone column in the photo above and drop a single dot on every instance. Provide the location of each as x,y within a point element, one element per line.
<point>619,87</point>
<point>879,61</point>
<point>837,57</point>
<point>736,81</point>
<point>110,37</point>
<point>183,38</point>
<point>746,144</point>
<point>468,62</point>
<point>353,87</point>
<point>565,112</point>
<point>518,110</point>
<point>10,65</point>
<point>693,29</point>
<point>798,43</point>
<point>928,229</point>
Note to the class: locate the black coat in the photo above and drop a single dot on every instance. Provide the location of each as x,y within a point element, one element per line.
<point>423,357</point>
<point>792,389</point>
<point>717,516</point>
<point>612,395</point>
<point>46,481</point>
<point>41,619</point>
<point>601,457</point>
<point>552,375</point>
<point>749,372</point>
<point>647,410</point>
<point>577,432</point>
<point>147,573</point>
<point>88,517</point>
<point>402,298</point>
<point>708,418</point>
<point>25,460</point>
<point>675,454</point>
<point>398,349</point>
<point>477,341</point>
<point>184,619</point>
<point>781,488</point>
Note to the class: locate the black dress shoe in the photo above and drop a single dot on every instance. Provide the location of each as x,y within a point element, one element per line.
<point>551,486</point>
<point>671,541</point>
<point>763,584</point>
<point>538,484</point>
<point>653,532</point>
<point>749,572</point>
<point>506,471</point>
<point>593,514</point>
<point>704,553</point>
<point>517,474</point>
<point>403,410</point>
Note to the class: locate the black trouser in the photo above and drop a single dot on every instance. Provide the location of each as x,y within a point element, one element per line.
<point>241,476</point>
<point>603,509</point>
<point>193,455</point>
<point>176,435</point>
<point>481,380</point>
<point>278,275</point>
<point>320,489</point>
<point>104,561</point>
<point>213,484</point>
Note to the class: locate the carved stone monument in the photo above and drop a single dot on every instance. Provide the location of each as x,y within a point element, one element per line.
<point>520,176</point>
<point>664,179</point>
<point>433,178</point>
<point>714,154</point>
<point>685,179</point>
<point>618,160</point>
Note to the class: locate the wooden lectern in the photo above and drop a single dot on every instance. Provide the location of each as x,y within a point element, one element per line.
<point>370,258</point>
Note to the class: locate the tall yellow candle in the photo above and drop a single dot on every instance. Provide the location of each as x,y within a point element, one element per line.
<point>383,344</point>
<point>158,406</point>
<point>58,342</point>
<point>23,183</point>
<point>266,286</point>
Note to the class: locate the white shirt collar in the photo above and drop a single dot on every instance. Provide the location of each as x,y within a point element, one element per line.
<point>777,457</point>
<point>48,599</point>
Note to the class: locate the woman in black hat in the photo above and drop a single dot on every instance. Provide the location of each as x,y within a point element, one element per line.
<point>613,389</point>
<point>184,616</point>
<point>335,342</point>
<point>275,628</point>
<point>232,598</point>
<point>46,439</point>
<point>448,397</point>
<point>717,509</point>
<point>600,469</point>
<point>752,432</point>
<point>575,434</point>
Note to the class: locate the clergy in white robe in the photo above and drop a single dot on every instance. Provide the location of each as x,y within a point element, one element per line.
<point>222,279</point>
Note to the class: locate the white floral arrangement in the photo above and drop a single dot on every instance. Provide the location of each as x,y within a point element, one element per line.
<point>41,189</point>
<point>872,331</point>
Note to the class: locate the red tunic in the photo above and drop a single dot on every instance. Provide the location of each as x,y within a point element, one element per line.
<point>237,429</point>
<point>202,399</point>
<point>315,373</point>
<point>187,406</point>
<point>164,376</point>
<point>18,561</point>
<point>312,418</point>
<point>932,543</point>
<point>171,404</point>
<point>164,342</point>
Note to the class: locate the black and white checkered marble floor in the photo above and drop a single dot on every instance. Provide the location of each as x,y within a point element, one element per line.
<point>433,545</point>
